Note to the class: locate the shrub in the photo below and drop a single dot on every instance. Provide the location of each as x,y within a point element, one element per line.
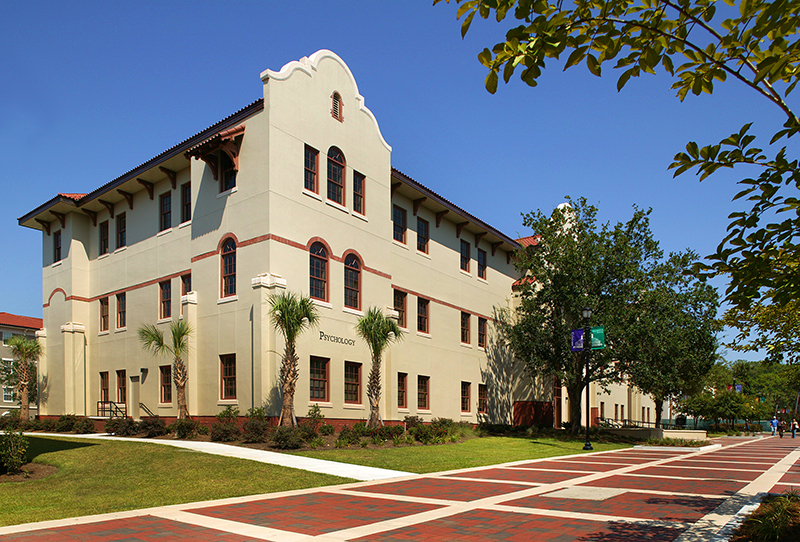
<point>347,437</point>
<point>65,423</point>
<point>185,428</point>
<point>13,451</point>
<point>256,427</point>
<point>225,429</point>
<point>326,429</point>
<point>429,434</point>
<point>122,427</point>
<point>10,420</point>
<point>47,425</point>
<point>307,432</point>
<point>229,415</point>
<point>314,417</point>
<point>360,429</point>
<point>316,443</point>
<point>412,421</point>
<point>153,427</point>
<point>84,426</point>
<point>287,438</point>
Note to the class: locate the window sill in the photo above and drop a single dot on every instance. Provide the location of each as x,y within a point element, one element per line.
<point>424,335</point>
<point>56,264</point>
<point>229,299</point>
<point>423,411</point>
<point>399,244</point>
<point>354,406</point>
<point>483,280</point>
<point>101,333</point>
<point>164,405</point>
<point>323,404</point>
<point>164,232</point>
<point>103,256</point>
<point>466,345</point>
<point>350,310</point>
<point>465,273</point>
<point>466,414</point>
<point>337,206</point>
<point>423,254</point>
<point>164,320</point>
<point>185,224</point>
<point>226,402</point>
<point>359,216</point>
<point>228,192</point>
<point>120,329</point>
<point>403,409</point>
<point>311,194</point>
<point>123,248</point>
<point>320,303</point>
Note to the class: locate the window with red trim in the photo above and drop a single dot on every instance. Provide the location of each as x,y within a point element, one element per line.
<point>122,233</point>
<point>165,299</point>
<point>311,167</point>
<point>422,315</point>
<point>318,378</point>
<point>104,237</point>
<point>318,271</point>
<point>352,282</point>
<point>186,202</point>
<point>482,332</point>
<point>483,398</point>
<point>359,186</point>
<point>482,263</point>
<point>423,392</point>
<point>165,206</point>
<point>229,268</point>
<point>104,314</point>
<point>423,235</point>
<point>57,246</point>
<point>465,255</point>
<point>352,382</point>
<point>104,383</point>
<point>166,383</point>
<point>402,390</point>
<point>465,328</point>
<point>465,393</point>
<point>400,307</point>
<point>336,168</point>
<point>122,387</point>
<point>399,224</point>
<point>228,374</point>
<point>122,311</point>
<point>336,107</point>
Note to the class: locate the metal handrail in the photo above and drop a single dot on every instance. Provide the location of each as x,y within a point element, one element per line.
<point>110,409</point>
<point>149,412</point>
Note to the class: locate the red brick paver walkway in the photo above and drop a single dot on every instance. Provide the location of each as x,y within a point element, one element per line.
<point>627,495</point>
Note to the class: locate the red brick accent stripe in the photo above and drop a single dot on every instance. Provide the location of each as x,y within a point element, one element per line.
<point>115,292</point>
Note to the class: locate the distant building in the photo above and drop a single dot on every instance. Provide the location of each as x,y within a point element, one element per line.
<point>12,325</point>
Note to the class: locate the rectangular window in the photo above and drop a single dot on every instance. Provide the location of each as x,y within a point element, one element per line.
<point>465,393</point>
<point>423,393</point>
<point>465,256</point>
<point>622,412</point>
<point>104,383</point>
<point>122,230</point>
<point>186,284</point>
<point>482,332</point>
<point>103,237</point>
<point>482,263</point>
<point>311,168</point>
<point>104,314</point>
<point>423,235</point>
<point>165,207</point>
<point>400,307</point>
<point>6,337</point>
<point>57,246</point>
<point>616,412</point>
<point>165,299</point>
<point>8,394</point>
<point>465,338</point>
<point>318,375</point>
<point>352,382</point>
<point>166,383</point>
<point>402,394</point>
<point>186,202</point>
<point>602,410</point>
<point>422,315</point>
<point>483,398</point>
<point>228,373</point>
<point>122,317</point>
<point>399,224</point>
<point>122,387</point>
<point>358,193</point>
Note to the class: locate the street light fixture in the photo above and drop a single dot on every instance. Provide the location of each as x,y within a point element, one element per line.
<point>587,348</point>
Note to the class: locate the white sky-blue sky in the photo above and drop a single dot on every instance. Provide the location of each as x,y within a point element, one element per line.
<point>93,89</point>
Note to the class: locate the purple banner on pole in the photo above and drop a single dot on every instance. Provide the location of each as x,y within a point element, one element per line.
<point>577,340</point>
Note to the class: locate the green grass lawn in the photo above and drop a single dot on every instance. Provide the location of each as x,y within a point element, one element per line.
<point>96,477</point>
<point>474,452</point>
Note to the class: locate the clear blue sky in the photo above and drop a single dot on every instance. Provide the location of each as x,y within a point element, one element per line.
<point>92,89</point>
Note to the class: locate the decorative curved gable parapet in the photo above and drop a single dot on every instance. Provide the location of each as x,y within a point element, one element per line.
<point>309,65</point>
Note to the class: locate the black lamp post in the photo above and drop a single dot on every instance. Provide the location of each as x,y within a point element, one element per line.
<point>587,349</point>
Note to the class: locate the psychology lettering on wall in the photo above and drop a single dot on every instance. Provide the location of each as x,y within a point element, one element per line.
<point>334,339</point>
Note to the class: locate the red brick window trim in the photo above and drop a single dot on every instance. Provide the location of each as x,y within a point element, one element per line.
<point>423,323</point>
<point>104,383</point>
<point>104,314</point>
<point>318,272</point>
<point>122,387</point>
<point>165,373</point>
<point>423,392</point>
<point>352,382</point>
<point>165,299</point>
<point>402,390</point>
<point>352,282</point>
<point>228,376</point>
<point>400,307</point>
<point>318,378</point>
<point>311,169</point>
<point>482,332</point>
<point>122,311</point>
<point>483,398</point>
<point>359,191</point>
<point>465,396</point>
<point>229,268</point>
<point>465,331</point>
<point>336,175</point>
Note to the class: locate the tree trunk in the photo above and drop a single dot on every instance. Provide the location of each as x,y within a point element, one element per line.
<point>659,406</point>
<point>180,376</point>
<point>289,375</point>
<point>374,393</point>
<point>574,391</point>
<point>24,407</point>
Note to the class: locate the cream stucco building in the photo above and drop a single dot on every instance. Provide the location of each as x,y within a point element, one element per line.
<point>294,191</point>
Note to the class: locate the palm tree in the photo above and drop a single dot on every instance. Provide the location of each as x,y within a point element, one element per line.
<point>377,331</point>
<point>291,315</point>
<point>152,339</point>
<point>22,374</point>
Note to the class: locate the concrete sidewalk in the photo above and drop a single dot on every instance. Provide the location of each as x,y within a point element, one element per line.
<point>346,470</point>
<point>631,495</point>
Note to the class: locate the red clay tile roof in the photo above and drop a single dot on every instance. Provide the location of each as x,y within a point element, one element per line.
<point>76,197</point>
<point>7,319</point>
<point>531,240</point>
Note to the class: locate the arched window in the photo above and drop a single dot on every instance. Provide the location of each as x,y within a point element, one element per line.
<point>336,175</point>
<point>352,282</point>
<point>318,272</point>
<point>229,268</point>
<point>336,107</point>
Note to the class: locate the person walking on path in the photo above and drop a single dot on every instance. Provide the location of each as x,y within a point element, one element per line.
<point>794,427</point>
<point>781,427</point>
<point>774,425</point>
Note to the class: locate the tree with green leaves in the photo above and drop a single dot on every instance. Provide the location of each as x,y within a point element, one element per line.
<point>378,332</point>
<point>152,339</point>
<point>577,263</point>
<point>753,42</point>
<point>670,341</point>
<point>20,374</point>
<point>291,315</point>
<point>764,326</point>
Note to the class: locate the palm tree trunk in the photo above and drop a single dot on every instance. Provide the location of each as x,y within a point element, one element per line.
<point>24,407</point>
<point>180,376</point>
<point>374,393</point>
<point>289,376</point>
